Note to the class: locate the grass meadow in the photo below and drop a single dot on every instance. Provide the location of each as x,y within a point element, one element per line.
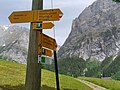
<point>109,84</point>
<point>12,77</point>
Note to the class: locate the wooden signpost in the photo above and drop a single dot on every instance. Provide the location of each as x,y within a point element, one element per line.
<point>39,26</point>
<point>39,43</point>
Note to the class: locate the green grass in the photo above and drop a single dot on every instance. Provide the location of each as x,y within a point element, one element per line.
<point>12,77</point>
<point>109,84</point>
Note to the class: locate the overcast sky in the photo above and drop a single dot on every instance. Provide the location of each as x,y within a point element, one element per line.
<point>70,8</point>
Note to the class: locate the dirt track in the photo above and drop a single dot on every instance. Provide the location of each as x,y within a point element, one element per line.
<point>93,86</point>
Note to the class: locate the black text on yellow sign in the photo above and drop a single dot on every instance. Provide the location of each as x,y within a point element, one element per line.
<point>44,25</point>
<point>35,16</point>
<point>46,41</point>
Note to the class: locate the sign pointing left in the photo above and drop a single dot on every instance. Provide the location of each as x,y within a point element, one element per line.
<point>21,16</point>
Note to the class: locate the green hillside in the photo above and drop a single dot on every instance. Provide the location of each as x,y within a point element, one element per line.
<point>12,77</point>
<point>72,66</point>
<point>111,68</point>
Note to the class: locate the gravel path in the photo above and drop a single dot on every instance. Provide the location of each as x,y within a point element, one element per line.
<point>93,86</point>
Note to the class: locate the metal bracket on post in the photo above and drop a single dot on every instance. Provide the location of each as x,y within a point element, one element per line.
<point>56,70</point>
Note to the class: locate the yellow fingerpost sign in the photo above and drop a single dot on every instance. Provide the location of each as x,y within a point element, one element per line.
<point>45,25</point>
<point>35,16</point>
<point>46,41</point>
<point>47,15</point>
<point>21,16</point>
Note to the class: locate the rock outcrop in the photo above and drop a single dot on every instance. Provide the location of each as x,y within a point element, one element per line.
<point>95,32</point>
<point>14,43</point>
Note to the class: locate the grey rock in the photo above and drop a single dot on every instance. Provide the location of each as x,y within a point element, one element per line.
<point>95,32</point>
<point>14,44</point>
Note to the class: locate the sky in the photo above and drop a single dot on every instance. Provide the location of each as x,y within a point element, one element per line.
<point>71,9</point>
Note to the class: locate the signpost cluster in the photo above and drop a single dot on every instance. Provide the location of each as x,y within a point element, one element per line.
<point>37,17</point>
<point>46,45</point>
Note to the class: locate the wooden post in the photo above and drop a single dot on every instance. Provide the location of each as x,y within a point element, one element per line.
<point>33,71</point>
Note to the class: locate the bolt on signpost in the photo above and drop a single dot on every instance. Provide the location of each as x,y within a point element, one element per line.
<point>40,45</point>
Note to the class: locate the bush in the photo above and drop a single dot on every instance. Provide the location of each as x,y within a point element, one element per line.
<point>116,76</point>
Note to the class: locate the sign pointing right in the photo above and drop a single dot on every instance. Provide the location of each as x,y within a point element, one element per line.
<point>39,26</point>
<point>46,41</point>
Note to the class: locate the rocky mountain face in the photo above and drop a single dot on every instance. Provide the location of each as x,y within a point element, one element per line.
<point>14,43</point>
<point>95,32</point>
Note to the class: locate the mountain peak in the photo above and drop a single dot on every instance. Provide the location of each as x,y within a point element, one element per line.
<point>14,43</point>
<point>95,33</point>
<point>4,27</point>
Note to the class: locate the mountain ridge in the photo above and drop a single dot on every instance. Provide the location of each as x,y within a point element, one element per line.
<point>95,32</point>
<point>14,44</point>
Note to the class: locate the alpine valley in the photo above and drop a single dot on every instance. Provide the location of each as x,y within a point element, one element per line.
<point>95,32</point>
<point>91,49</point>
<point>93,45</point>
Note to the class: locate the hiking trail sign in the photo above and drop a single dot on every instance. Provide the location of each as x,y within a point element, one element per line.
<point>45,25</point>
<point>35,16</point>
<point>46,41</point>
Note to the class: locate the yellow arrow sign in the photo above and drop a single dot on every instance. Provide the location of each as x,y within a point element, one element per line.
<point>46,41</point>
<point>39,26</point>
<point>45,51</point>
<point>35,16</point>
<point>21,16</point>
